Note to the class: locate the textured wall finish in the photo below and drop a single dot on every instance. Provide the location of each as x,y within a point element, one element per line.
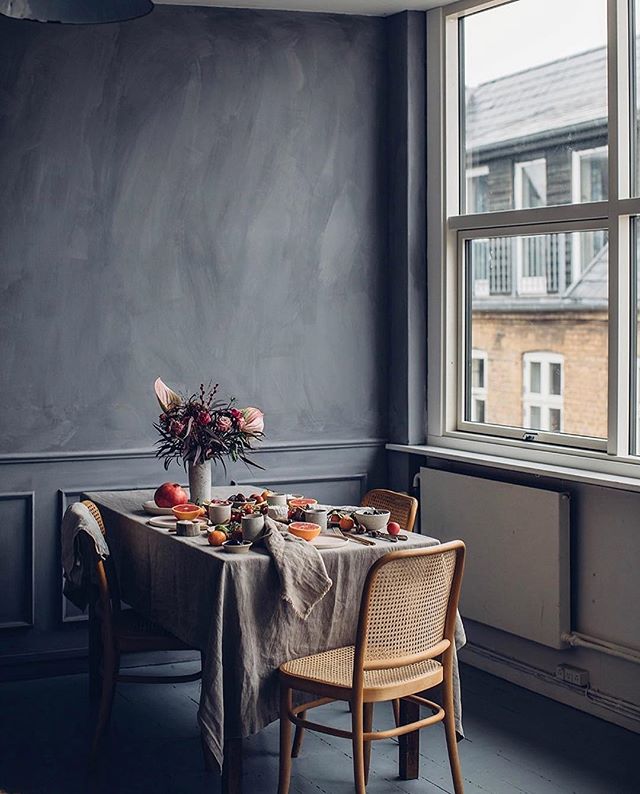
<point>195,194</point>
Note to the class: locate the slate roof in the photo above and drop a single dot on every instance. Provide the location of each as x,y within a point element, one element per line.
<point>567,93</point>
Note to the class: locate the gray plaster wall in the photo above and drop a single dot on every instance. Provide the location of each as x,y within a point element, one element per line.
<point>199,194</point>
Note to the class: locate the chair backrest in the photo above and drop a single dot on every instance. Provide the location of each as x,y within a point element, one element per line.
<point>409,607</point>
<point>403,508</point>
<point>108,595</point>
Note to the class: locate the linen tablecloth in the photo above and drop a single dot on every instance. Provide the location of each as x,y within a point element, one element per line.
<point>229,607</point>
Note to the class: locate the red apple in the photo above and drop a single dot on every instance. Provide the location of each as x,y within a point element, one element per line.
<point>393,528</point>
<point>170,494</point>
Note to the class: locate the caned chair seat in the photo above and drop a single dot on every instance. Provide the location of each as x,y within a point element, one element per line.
<point>133,632</point>
<point>335,668</point>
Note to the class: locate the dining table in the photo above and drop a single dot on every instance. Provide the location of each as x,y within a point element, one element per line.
<point>229,607</point>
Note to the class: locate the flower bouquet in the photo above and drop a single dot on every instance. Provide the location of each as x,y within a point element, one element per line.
<point>202,428</point>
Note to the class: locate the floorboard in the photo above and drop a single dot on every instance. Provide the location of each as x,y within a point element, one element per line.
<point>517,743</point>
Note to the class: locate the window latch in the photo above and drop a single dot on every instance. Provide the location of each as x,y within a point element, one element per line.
<point>529,436</point>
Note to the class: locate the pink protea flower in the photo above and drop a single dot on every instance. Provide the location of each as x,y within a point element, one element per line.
<point>253,421</point>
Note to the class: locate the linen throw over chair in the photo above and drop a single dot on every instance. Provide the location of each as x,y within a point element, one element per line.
<point>122,631</point>
<point>404,645</point>
<point>403,508</point>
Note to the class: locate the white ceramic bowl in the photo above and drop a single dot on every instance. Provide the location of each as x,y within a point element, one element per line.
<point>236,549</point>
<point>370,520</point>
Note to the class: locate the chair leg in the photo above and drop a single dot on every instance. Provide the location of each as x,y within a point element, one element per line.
<point>284,779</point>
<point>111,665</point>
<point>396,712</point>
<point>367,724</point>
<point>298,738</point>
<point>357,727</point>
<point>450,729</point>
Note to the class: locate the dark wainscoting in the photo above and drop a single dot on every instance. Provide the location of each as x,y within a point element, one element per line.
<point>39,629</point>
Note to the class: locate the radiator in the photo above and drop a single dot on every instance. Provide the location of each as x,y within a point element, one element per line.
<point>517,576</point>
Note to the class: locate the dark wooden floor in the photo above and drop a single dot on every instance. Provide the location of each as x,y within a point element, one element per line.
<point>516,743</point>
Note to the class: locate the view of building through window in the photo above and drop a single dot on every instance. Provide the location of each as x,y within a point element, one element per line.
<point>536,304</point>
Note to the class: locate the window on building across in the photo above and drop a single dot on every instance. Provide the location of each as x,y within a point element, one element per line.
<point>477,191</point>
<point>542,405</point>
<point>530,184</point>
<point>479,386</point>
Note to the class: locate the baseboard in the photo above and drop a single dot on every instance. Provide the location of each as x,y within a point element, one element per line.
<point>28,666</point>
<point>598,704</point>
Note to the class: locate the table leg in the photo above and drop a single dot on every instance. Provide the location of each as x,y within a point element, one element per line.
<point>409,757</point>
<point>232,767</point>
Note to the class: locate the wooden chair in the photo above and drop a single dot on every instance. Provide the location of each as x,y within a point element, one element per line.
<point>122,631</point>
<point>403,508</point>
<point>404,645</point>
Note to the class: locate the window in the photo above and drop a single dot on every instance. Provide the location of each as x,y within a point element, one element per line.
<point>540,274</point>
<point>477,193</point>
<point>478,386</point>
<point>542,393</point>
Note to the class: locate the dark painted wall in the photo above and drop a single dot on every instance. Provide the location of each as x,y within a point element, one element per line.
<point>196,194</point>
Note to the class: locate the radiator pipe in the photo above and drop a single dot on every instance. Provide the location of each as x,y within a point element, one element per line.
<point>575,639</point>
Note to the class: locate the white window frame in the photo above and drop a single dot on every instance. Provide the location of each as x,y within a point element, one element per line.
<point>479,393</point>
<point>577,156</point>
<point>448,230</point>
<point>543,399</point>
<point>471,174</point>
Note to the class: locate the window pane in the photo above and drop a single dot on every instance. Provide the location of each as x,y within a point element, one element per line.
<point>534,418</point>
<point>477,373</point>
<point>555,378</point>
<point>534,377</point>
<point>542,326</point>
<point>534,126</point>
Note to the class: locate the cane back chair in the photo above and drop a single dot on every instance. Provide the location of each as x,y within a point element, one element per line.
<point>403,508</point>
<point>122,631</point>
<point>404,645</point>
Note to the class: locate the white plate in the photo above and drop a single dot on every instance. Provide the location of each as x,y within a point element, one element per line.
<point>152,508</point>
<point>328,542</point>
<point>165,522</point>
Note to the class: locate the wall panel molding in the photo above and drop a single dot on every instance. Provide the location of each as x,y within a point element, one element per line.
<point>26,619</point>
<point>23,458</point>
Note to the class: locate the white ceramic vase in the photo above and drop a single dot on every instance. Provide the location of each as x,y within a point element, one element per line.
<point>200,481</point>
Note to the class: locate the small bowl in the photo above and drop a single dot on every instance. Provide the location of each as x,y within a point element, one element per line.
<point>187,512</point>
<point>375,521</point>
<point>220,512</point>
<point>302,502</point>
<point>242,505</point>
<point>304,529</point>
<point>277,499</point>
<point>235,549</point>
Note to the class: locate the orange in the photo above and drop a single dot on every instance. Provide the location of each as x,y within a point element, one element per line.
<point>346,522</point>
<point>217,537</point>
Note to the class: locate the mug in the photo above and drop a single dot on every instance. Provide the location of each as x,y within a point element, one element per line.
<point>277,499</point>
<point>318,516</point>
<point>252,526</point>
<point>220,512</point>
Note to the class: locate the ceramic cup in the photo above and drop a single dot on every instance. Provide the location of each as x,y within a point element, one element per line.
<point>220,512</point>
<point>277,499</point>
<point>187,529</point>
<point>252,526</point>
<point>316,516</point>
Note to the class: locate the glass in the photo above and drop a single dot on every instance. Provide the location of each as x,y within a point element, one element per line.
<point>555,378</point>
<point>543,331</point>
<point>534,110</point>
<point>534,377</point>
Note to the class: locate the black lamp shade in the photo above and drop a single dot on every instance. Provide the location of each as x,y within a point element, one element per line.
<point>76,12</point>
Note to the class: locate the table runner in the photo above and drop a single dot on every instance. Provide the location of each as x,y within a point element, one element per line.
<point>229,607</point>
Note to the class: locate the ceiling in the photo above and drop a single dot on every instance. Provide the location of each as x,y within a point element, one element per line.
<point>371,7</point>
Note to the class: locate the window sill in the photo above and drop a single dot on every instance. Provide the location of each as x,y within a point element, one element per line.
<point>589,477</point>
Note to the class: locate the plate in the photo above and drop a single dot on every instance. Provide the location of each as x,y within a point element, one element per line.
<point>152,508</point>
<point>328,542</point>
<point>164,522</point>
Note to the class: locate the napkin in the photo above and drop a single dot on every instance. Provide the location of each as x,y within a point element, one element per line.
<point>77,519</point>
<point>303,576</point>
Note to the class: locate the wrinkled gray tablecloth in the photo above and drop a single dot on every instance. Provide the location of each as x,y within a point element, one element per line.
<point>229,607</point>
